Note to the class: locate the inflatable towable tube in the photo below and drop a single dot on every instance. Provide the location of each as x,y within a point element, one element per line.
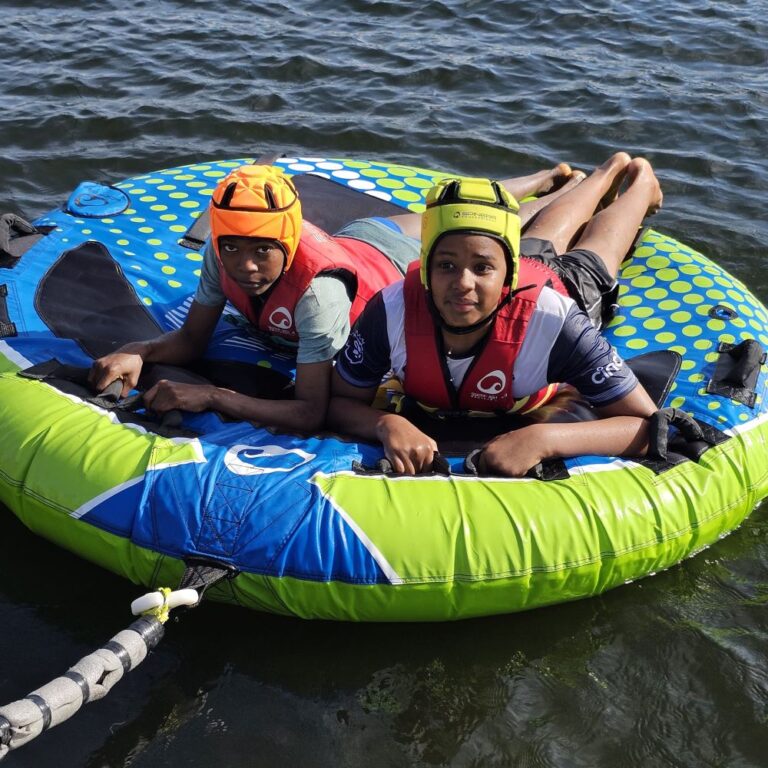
<point>308,531</point>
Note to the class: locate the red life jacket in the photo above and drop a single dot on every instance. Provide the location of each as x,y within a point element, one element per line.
<point>362,268</point>
<point>487,385</point>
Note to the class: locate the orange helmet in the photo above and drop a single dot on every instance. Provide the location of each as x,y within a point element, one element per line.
<point>257,201</point>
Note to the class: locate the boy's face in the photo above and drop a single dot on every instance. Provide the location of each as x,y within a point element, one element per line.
<point>467,274</point>
<point>252,262</point>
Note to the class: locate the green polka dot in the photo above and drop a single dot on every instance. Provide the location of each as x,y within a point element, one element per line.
<point>631,301</point>
<point>106,221</point>
<point>148,199</point>
<point>87,231</point>
<point>668,275</point>
<point>702,344</point>
<point>357,164</point>
<point>373,173</point>
<point>711,357</point>
<point>178,195</point>
<point>158,207</point>
<point>154,181</point>
<point>689,269</point>
<point>641,312</point>
<point>681,286</point>
<point>123,241</point>
<point>169,270</point>
<point>391,184</point>
<point>713,405</point>
<point>161,256</point>
<point>757,326</point>
<point>728,338</point>
<point>643,282</point>
<point>138,220</point>
<point>665,337</point>
<point>167,187</point>
<point>169,217</point>
<point>419,183</point>
<point>190,204</point>
<point>654,324</point>
<point>184,177</point>
<point>655,262</point>
<point>625,330</point>
<point>197,272</point>
<point>406,195</point>
<point>633,271</point>
<point>116,231</point>
<point>677,402</point>
<point>415,207</point>
<point>682,351</point>
<point>695,378</point>
<point>146,230</point>
<point>702,282</point>
<point>142,283</point>
<point>637,344</point>
<point>147,301</point>
<point>737,322</point>
<point>174,283</point>
<point>196,184</point>
<point>655,294</point>
<point>691,331</point>
<point>199,167</point>
<point>743,417</point>
<point>666,246</point>
<point>692,298</point>
<point>720,280</point>
<point>154,241</point>
<point>177,228</point>
<point>194,256</point>
<point>680,317</point>
<point>746,310</point>
<point>214,174</point>
<point>687,365</point>
<point>715,325</point>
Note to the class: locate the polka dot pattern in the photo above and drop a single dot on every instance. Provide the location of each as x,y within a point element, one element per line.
<point>668,294</point>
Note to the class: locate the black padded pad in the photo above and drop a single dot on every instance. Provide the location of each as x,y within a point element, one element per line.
<point>86,297</point>
<point>330,205</point>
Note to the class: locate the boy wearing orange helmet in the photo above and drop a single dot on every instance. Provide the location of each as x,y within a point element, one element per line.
<point>291,280</point>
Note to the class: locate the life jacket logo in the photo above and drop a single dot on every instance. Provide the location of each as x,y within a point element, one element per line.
<point>354,348</point>
<point>264,459</point>
<point>492,383</point>
<point>280,319</point>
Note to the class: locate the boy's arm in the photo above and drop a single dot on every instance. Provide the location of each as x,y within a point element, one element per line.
<point>176,347</point>
<point>408,449</point>
<point>305,413</point>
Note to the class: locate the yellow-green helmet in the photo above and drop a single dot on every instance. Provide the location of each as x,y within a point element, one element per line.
<point>476,206</point>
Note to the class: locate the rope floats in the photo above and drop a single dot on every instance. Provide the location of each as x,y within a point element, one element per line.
<point>94,675</point>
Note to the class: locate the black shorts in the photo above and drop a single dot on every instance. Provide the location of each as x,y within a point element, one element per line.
<point>584,275</point>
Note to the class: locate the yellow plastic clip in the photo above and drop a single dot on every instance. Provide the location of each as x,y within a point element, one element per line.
<point>162,612</point>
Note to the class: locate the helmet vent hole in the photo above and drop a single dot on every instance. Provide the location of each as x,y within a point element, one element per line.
<point>229,193</point>
<point>270,195</point>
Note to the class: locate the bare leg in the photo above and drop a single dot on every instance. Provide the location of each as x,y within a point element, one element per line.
<point>563,219</point>
<point>612,231</point>
<point>539,183</point>
<point>531,208</point>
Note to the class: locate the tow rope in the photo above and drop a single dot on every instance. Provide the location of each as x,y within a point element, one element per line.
<point>94,676</point>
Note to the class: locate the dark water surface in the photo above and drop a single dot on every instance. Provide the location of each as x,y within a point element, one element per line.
<point>670,671</point>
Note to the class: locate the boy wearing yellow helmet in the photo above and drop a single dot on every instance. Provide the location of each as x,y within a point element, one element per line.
<point>290,280</point>
<point>481,329</point>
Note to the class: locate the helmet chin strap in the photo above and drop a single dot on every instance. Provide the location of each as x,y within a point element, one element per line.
<point>463,330</point>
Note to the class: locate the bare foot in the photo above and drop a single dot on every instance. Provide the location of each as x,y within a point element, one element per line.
<point>640,172</point>
<point>539,183</point>
<point>531,208</point>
